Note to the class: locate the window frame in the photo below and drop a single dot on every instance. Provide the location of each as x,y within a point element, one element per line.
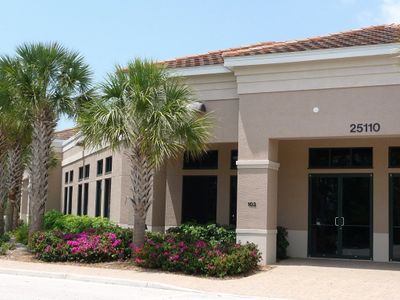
<point>389,157</point>
<point>100,162</point>
<point>80,173</point>
<point>329,166</point>
<point>86,172</point>
<point>108,163</point>
<point>187,159</point>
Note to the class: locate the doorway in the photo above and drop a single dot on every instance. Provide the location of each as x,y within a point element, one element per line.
<point>340,215</point>
<point>199,199</point>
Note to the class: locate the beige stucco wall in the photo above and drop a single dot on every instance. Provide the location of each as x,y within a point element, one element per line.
<point>117,177</point>
<point>121,210</point>
<point>175,173</point>
<point>283,115</point>
<point>54,191</point>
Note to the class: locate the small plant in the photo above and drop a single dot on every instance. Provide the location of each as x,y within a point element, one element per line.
<point>282,243</point>
<point>54,220</point>
<point>5,238</point>
<point>6,244</point>
<point>212,233</point>
<point>5,247</point>
<point>169,252</point>
<point>21,234</point>
<point>87,246</point>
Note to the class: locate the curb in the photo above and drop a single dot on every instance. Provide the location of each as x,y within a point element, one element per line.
<point>95,279</point>
<point>118,281</point>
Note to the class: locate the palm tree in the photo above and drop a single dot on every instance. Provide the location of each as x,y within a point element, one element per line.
<point>50,80</point>
<point>15,136</point>
<point>148,114</point>
<point>19,138</point>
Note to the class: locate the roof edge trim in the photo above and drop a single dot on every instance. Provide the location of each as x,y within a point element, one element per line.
<point>312,55</point>
<point>200,70</point>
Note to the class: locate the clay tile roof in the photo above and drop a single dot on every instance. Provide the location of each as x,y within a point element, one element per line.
<point>373,35</point>
<point>65,134</point>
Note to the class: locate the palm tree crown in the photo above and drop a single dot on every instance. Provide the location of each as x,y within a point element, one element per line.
<point>148,114</point>
<point>46,80</point>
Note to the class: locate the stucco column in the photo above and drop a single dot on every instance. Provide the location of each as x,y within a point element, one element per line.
<point>155,220</point>
<point>257,202</point>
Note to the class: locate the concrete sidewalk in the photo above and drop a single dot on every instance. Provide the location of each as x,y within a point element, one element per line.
<point>291,279</point>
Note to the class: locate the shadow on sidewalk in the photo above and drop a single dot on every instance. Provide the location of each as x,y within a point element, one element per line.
<point>340,263</point>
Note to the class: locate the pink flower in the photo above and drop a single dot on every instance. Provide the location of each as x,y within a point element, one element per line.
<point>174,258</point>
<point>201,244</point>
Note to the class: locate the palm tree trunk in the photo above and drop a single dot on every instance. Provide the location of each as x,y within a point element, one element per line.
<point>10,211</point>
<point>3,180</point>
<point>142,193</point>
<point>42,137</point>
<point>17,206</point>
<point>15,172</point>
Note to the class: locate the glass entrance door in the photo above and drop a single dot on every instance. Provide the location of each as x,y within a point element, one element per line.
<point>340,215</point>
<point>394,190</point>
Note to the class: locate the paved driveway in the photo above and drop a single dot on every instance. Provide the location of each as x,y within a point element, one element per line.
<point>291,279</point>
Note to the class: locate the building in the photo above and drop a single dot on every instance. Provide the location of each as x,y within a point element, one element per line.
<point>307,136</point>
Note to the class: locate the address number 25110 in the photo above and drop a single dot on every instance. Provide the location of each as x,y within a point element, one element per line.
<point>365,127</point>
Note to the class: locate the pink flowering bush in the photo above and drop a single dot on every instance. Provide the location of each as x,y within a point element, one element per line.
<point>169,253</point>
<point>88,246</point>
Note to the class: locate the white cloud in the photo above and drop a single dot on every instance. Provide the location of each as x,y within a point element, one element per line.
<point>390,11</point>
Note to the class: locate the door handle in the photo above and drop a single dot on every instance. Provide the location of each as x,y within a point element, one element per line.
<point>342,222</point>
<point>336,223</point>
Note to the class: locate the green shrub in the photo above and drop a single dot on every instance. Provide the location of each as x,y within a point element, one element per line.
<point>50,219</point>
<point>5,247</point>
<point>170,253</point>
<point>54,220</point>
<point>21,234</point>
<point>213,234</point>
<point>281,243</point>
<point>5,238</point>
<point>6,244</point>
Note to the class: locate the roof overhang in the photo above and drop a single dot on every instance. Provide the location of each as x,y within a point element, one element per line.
<point>312,55</point>
<point>200,70</point>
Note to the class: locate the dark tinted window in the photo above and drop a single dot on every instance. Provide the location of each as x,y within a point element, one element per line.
<point>65,200</point>
<point>109,164</point>
<point>233,201</point>
<point>107,197</point>
<point>71,176</point>
<point>340,158</point>
<point>319,158</point>
<point>80,173</point>
<point>199,199</point>
<point>209,160</point>
<point>361,157</point>
<point>394,157</point>
<point>98,198</point>
<point>234,158</point>
<point>70,200</point>
<point>87,171</point>
<point>85,198</point>
<point>100,167</point>
<point>79,206</point>
<point>66,177</point>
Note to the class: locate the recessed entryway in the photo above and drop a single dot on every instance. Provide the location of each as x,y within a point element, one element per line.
<point>340,215</point>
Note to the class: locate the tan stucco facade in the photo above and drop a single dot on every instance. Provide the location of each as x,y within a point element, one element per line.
<point>272,111</point>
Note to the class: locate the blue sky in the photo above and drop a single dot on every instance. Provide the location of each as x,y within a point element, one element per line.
<point>115,31</point>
